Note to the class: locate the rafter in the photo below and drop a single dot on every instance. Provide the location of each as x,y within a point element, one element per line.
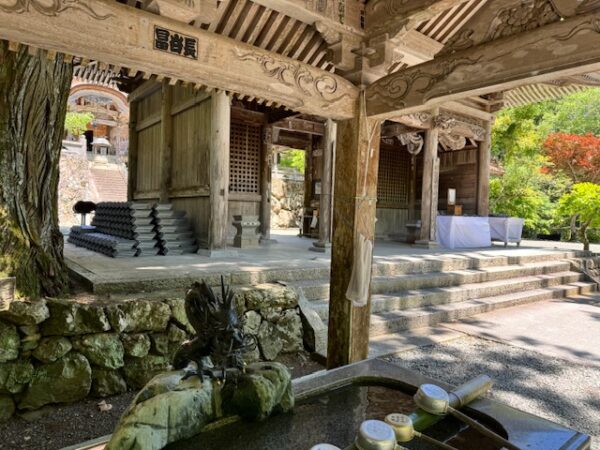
<point>124,36</point>
<point>559,49</point>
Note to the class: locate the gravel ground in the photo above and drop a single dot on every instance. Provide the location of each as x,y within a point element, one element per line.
<point>56,427</point>
<point>558,390</point>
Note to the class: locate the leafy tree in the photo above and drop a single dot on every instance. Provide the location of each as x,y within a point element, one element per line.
<point>525,191</point>
<point>76,123</point>
<point>294,159</point>
<point>577,156</point>
<point>574,114</point>
<point>584,202</point>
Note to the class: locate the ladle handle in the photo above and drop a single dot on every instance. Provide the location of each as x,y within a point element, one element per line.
<point>471,390</point>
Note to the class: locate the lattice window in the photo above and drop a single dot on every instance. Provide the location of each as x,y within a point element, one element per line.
<point>244,158</point>
<point>394,174</point>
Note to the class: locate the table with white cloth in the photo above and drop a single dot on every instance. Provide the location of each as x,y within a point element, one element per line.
<point>506,229</point>
<point>463,232</point>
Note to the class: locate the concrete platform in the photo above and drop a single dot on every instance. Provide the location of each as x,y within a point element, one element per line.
<point>566,329</point>
<point>288,260</point>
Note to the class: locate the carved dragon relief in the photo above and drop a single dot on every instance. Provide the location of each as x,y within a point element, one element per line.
<point>296,76</point>
<point>51,8</point>
<point>393,89</point>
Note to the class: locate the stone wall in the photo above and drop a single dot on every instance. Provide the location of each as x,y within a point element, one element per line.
<point>58,351</point>
<point>287,201</point>
<point>72,187</point>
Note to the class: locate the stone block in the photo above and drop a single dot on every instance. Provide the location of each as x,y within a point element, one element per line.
<point>136,345</point>
<point>67,380</point>
<point>178,314</point>
<point>252,321</point>
<point>139,315</point>
<point>10,342</point>
<point>107,382</point>
<point>138,371</point>
<point>26,313</point>
<point>68,318</point>
<point>160,344</point>
<point>289,328</point>
<point>264,296</point>
<point>269,341</point>
<point>102,349</point>
<point>246,236</point>
<point>15,376</point>
<point>51,349</point>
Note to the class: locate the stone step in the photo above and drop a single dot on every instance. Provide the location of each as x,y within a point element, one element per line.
<point>466,260</point>
<point>319,289</point>
<point>436,296</point>
<point>392,322</point>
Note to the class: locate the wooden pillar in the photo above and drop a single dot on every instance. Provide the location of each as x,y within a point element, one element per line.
<point>166,137</point>
<point>483,177</point>
<point>429,197</point>
<point>355,199</point>
<point>219,170</point>
<point>132,151</point>
<point>265,186</point>
<point>324,243</point>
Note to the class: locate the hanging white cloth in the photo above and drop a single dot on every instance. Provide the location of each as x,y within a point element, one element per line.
<point>359,287</point>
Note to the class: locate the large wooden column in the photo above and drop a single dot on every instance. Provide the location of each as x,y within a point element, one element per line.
<point>429,196</point>
<point>166,136</point>
<point>219,171</point>
<point>132,151</point>
<point>483,176</point>
<point>324,242</point>
<point>355,199</point>
<point>265,186</point>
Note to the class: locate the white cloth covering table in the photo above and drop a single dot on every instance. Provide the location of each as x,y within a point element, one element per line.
<point>506,229</point>
<point>463,232</point>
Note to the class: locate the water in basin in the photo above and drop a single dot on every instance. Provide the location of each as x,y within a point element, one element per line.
<point>332,417</point>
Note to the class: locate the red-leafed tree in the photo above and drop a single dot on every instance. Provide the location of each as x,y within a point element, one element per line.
<point>577,156</point>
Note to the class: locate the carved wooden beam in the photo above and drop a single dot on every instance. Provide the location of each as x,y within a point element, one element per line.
<point>395,17</point>
<point>559,49</point>
<point>185,11</point>
<point>128,37</point>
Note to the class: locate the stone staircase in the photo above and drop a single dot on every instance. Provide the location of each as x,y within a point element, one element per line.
<point>408,296</point>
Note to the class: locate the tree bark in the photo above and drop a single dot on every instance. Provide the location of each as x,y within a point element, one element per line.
<point>33,101</point>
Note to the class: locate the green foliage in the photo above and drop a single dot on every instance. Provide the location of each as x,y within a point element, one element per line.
<point>526,191</point>
<point>76,123</point>
<point>294,159</point>
<point>532,184</point>
<point>584,202</point>
<point>577,113</point>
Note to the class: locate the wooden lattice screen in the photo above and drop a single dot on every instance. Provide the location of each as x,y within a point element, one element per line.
<point>244,158</point>
<point>393,181</point>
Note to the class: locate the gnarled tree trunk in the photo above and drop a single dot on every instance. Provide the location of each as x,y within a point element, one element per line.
<point>33,100</point>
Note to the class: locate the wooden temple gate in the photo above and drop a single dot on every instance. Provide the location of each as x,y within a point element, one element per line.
<point>419,77</point>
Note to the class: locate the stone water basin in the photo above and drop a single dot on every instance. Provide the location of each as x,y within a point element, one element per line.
<point>330,406</point>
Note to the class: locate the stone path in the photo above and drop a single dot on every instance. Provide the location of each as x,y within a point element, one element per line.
<point>567,329</point>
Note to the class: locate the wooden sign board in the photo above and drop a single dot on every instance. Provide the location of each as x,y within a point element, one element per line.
<point>7,292</point>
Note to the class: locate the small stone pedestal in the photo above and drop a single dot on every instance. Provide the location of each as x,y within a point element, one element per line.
<point>246,236</point>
